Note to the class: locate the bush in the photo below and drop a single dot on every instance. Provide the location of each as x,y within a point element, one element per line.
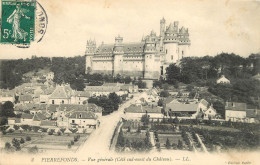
<point>51,132</point>
<point>7,146</point>
<point>16,144</point>
<point>62,130</point>
<point>33,150</point>
<point>69,146</point>
<point>35,128</point>
<point>44,129</point>
<point>16,127</point>
<point>72,142</point>
<point>11,130</point>
<point>59,133</point>
<point>28,138</point>
<point>22,141</point>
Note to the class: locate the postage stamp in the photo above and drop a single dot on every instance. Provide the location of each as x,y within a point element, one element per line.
<point>18,22</point>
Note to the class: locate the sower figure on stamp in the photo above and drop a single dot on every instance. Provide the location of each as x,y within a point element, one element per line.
<point>15,19</point>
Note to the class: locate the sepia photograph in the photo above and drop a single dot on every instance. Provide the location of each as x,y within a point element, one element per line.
<point>130,82</point>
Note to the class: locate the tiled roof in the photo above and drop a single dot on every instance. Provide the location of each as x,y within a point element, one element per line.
<point>143,109</point>
<point>30,106</point>
<point>48,123</point>
<point>182,107</point>
<point>25,98</point>
<point>39,117</point>
<point>110,89</point>
<point>61,92</point>
<point>236,106</point>
<point>26,116</point>
<point>105,48</point>
<point>204,102</point>
<point>75,107</point>
<point>251,113</point>
<point>133,47</point>
<point>83,115</point>
<point>94,108</point>
<point>52,108</point>
<point>82,94</point>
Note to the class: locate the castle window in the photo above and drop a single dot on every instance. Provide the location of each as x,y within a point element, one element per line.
<point>166,51</point>
<point>172,57</point>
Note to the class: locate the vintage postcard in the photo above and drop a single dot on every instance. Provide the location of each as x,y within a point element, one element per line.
<point>130,82</point>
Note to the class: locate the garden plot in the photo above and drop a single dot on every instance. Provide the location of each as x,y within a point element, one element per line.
<point>173,139</point>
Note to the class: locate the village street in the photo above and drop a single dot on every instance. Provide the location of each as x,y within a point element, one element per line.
<point>99,141</point>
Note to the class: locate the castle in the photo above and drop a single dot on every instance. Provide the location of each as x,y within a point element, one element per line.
<point>147,59</point>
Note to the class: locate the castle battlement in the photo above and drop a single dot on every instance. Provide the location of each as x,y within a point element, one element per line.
<point>146,59</point>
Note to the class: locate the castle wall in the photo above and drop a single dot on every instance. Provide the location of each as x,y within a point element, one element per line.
<point>171,52</point>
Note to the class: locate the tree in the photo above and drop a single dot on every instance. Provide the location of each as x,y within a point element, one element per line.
<point>173,74</point>
<point>164,93</point>
<point>168,144</point>
<point>22,141</point>
<point>220,108</point>
<point>180,145</point>
<point>157,83</point>
<point>7,109</point>
<point>160,102</point>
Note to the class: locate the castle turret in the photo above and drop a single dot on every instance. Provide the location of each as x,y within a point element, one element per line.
<point>90,50</point>
<point>152,61</point>
<point>171,41</point>
<point>184,43</point>
<point>162,27</point>
<point>118,55</point>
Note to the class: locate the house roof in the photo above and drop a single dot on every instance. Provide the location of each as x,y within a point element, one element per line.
<point>61,92</point>
<point>251,113</point>
<point>110,89</point>
<point>25,98</point>
<point>39,117</point>
<point>75,107</point>
<point>30,106</point>
<point>81,94</point>
<point>26,116</point>
<point>94,108</point>
<point>143,109</point>
<point>83,115</point>
<point>52,108</point>
<point>235,106</point>
<point>48,123</point>
<point>182,107</point>
<point>204,102</point>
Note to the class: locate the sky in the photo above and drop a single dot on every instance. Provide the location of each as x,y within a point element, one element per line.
<point>215,26</point>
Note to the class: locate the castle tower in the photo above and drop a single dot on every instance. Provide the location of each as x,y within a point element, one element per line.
<point>90,50</point>
<point>118,53</point>
<point>152,61</point>
<point>171,42</point>
<point>162,27</point>
<point>184,44</point>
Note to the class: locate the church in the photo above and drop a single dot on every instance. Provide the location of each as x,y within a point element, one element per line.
<point>147,59</point>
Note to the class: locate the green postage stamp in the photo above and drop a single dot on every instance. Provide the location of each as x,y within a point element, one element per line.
<point>18,22</point>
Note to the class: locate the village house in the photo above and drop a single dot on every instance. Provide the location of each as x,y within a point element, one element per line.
<point>207,109</point>
<point>104,90</point>
<point>82,119</point>
<point>223,80</point>
<point>182,110</point>
<point>24,99</point>
<point>136,112</point>
<point>7,95</point>
<point>241,112</point>
<point>78,97</point>
<point>61,95</point>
